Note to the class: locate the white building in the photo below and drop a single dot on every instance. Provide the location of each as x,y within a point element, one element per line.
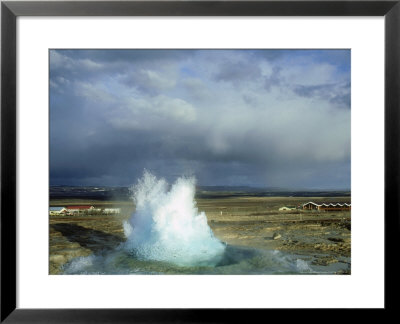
<point>79,209</point>
<point>287,208</point>
<point>112,210</point>
<point>57,210</point>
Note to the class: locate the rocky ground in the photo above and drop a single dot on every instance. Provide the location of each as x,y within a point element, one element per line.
<point>324,238</point>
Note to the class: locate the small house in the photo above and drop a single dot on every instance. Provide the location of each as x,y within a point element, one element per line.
<point>310,206</point>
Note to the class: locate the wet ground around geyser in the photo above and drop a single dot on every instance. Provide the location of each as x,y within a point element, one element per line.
<point>259,238</point>
<point>235,261</point>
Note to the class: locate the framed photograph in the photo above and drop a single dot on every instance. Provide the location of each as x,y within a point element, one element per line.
<point>164,158</point>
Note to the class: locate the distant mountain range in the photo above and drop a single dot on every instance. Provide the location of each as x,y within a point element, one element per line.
<point>124,193</point>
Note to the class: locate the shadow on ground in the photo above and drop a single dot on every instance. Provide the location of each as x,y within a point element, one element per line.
<point>97,241</point>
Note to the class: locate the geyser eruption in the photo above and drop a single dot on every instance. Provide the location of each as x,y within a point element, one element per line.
<point>167,225</point>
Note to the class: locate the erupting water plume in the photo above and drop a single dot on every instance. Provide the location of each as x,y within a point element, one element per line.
<point>167,225</point>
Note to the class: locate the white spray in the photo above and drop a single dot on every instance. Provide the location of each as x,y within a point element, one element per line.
<point>167,225</point>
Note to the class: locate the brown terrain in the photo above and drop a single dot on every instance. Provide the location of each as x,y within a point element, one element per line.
<point>322,237</point>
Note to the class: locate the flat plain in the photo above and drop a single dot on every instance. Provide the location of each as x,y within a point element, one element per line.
<point>320,237</point>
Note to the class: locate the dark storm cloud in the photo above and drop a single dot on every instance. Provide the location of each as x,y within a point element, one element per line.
<point>126,55</point>
<point>335,93</point>
<point>273,80</point>
<point>227,117</point>
<point>237,72</point>
<point>270,55</point>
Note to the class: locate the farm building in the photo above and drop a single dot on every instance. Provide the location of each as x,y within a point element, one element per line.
<point>57,210</point>
<point>327,207</point>
<point>285,208</point>
<point>335,207</point>
<point>310,205</point>
<point>112,210</point>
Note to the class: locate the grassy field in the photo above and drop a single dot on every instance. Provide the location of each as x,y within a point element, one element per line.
<point>245,221</point>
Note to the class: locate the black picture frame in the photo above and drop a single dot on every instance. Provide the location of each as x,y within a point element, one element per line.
<point>10,10</point>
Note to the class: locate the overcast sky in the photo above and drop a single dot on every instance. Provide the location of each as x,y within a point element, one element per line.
<point>269,118</point>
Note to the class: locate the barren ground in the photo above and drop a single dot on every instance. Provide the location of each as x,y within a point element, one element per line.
<point>322,237</point>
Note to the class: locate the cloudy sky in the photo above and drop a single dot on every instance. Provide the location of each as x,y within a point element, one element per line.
<point>266,118</point>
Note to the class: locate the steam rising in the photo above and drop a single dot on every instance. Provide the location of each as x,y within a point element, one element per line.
<point>167,225</point>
